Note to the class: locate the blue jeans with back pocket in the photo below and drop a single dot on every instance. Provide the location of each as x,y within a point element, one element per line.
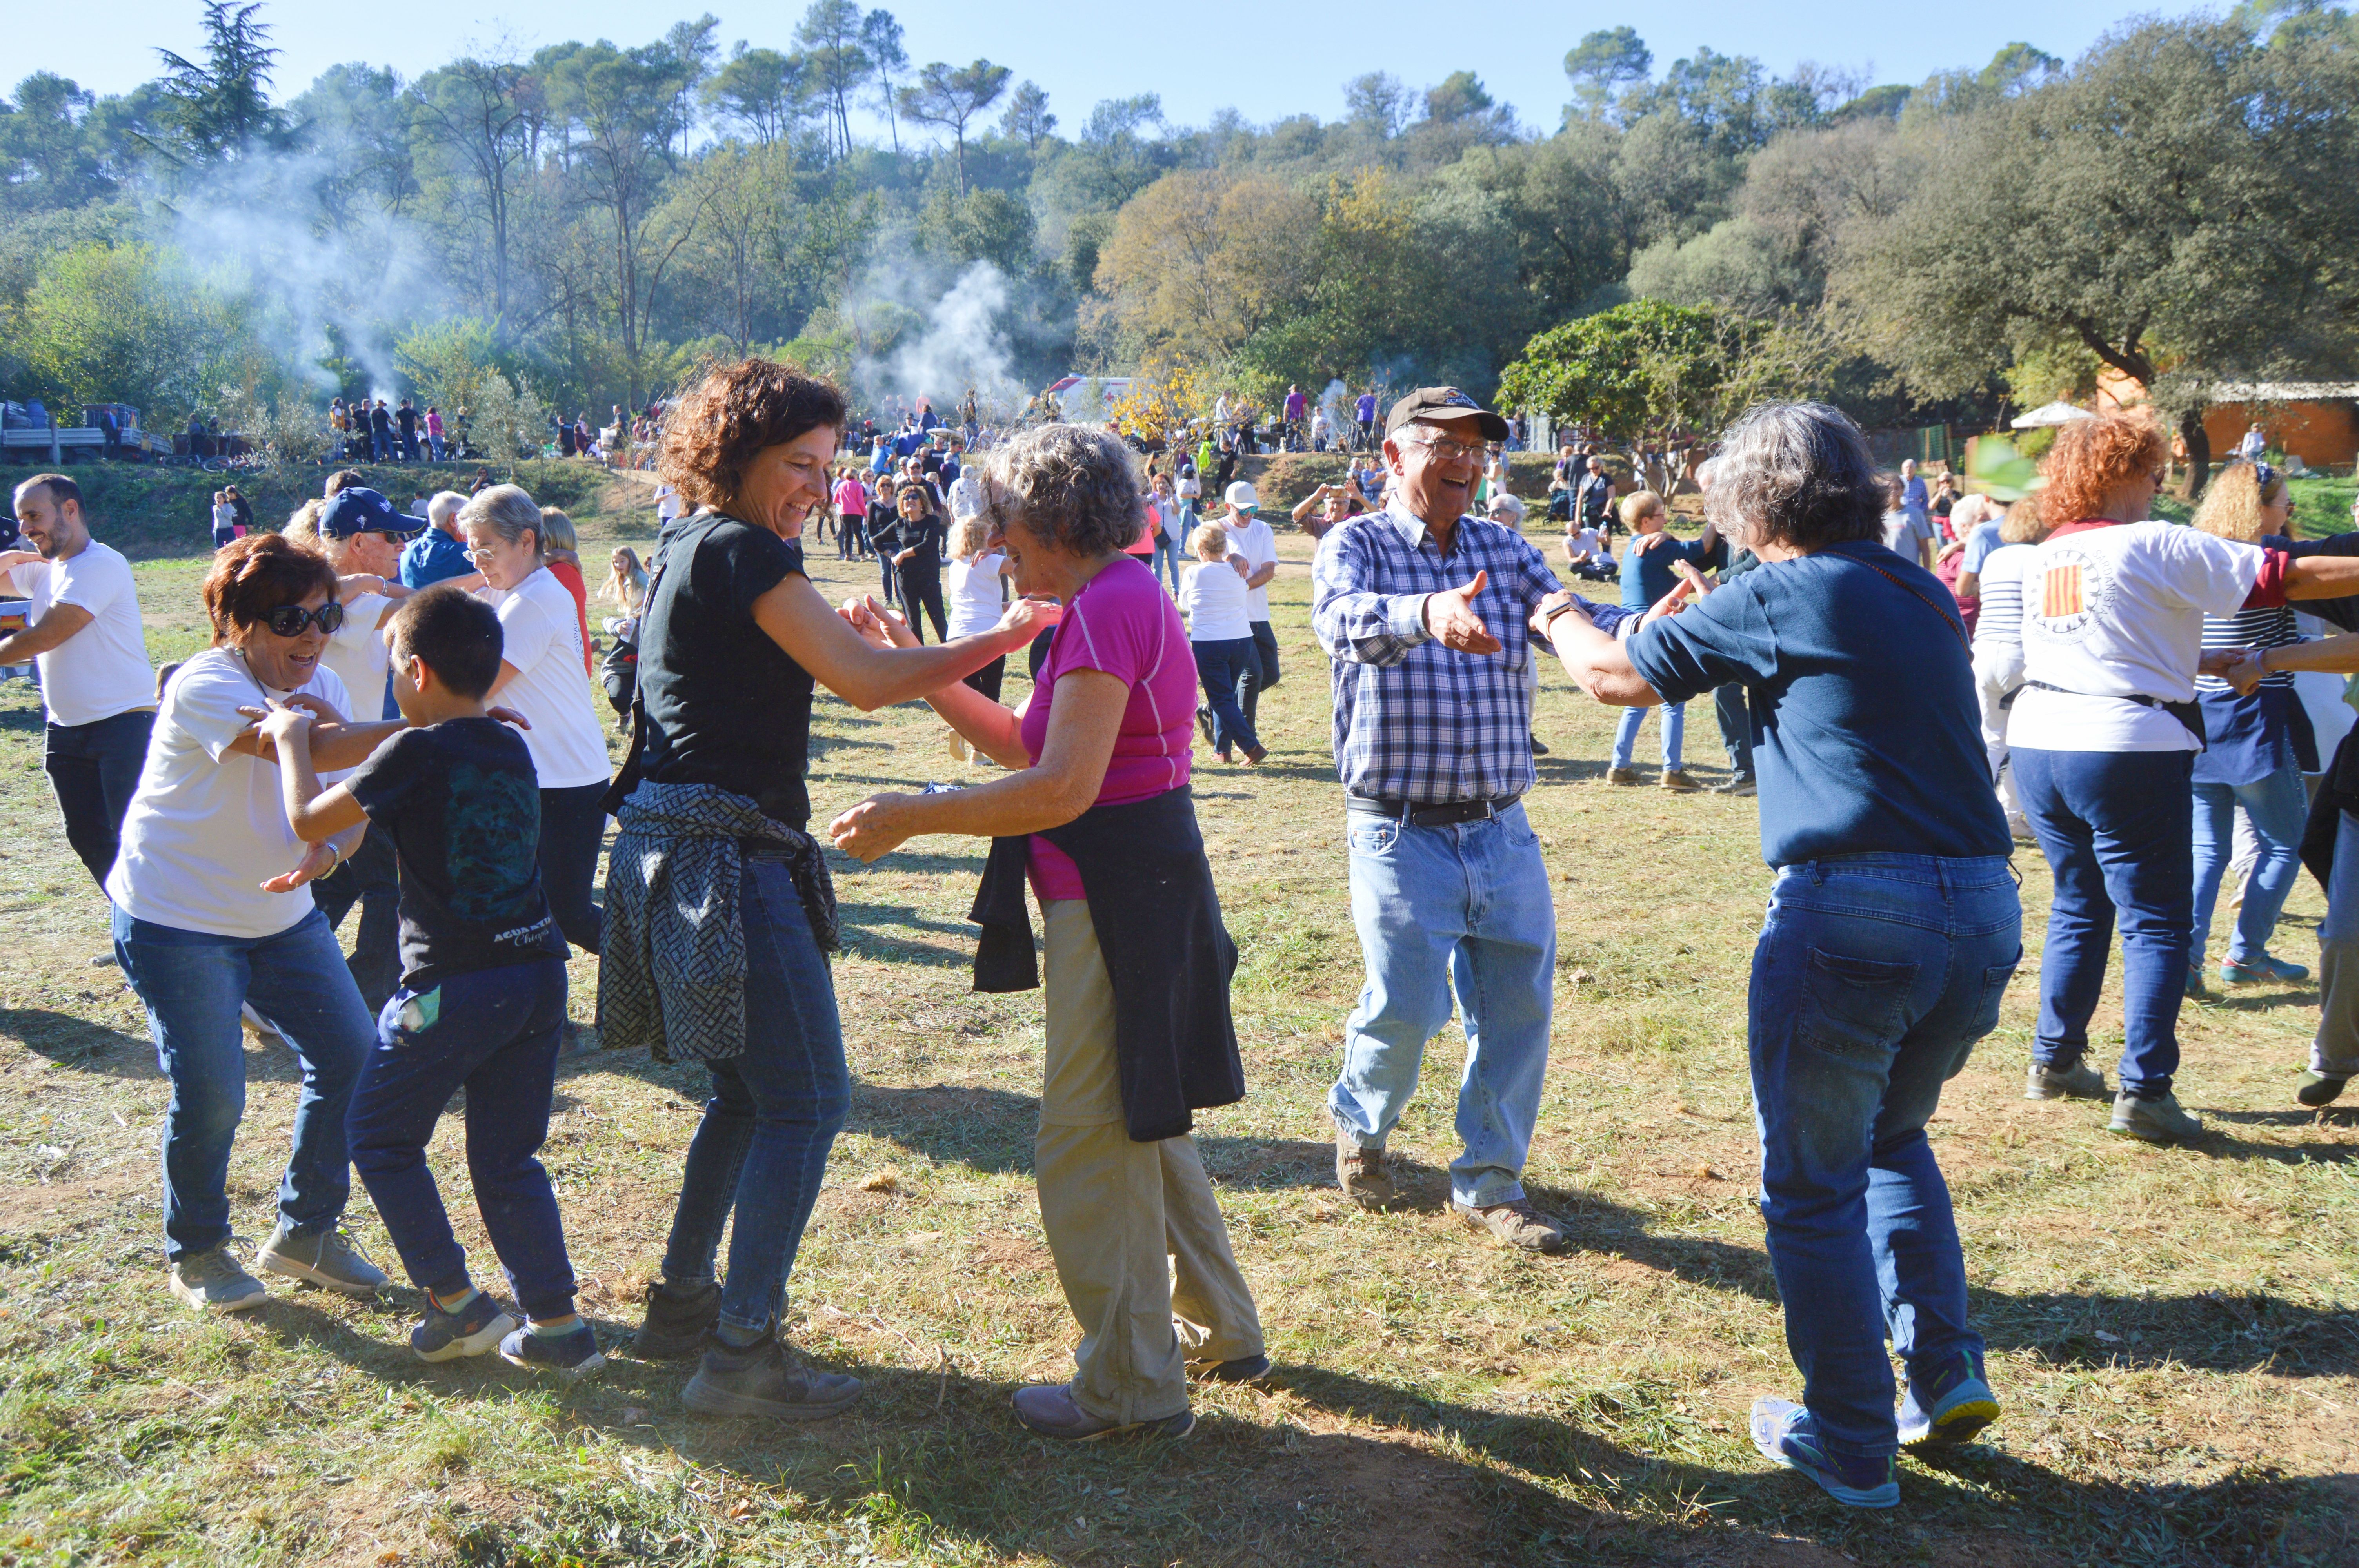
<point>1874,977</point>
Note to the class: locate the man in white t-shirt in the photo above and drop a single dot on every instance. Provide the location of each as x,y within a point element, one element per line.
<point>1253,550</point>
<point>84,631</point>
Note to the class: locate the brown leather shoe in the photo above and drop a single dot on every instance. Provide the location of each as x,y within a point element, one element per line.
<point>1679,781</point>
<point>1362,1173</point>
<point>1517,1224</point>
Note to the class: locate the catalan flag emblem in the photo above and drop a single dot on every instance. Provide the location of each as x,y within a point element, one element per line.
<point>2063,596</point>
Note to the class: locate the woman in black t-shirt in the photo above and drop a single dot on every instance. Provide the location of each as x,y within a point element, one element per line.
<point>883,525</point>
<point>718,910</point>
<point>918,559</point>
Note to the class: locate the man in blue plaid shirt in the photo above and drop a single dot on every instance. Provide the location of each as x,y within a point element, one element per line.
<point>1426,612</point>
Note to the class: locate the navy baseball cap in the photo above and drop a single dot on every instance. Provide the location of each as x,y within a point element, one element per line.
<point>363,511</point>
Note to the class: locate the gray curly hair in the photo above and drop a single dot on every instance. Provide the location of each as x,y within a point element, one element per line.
<point>1795,473</point>
<point>1071,486</point>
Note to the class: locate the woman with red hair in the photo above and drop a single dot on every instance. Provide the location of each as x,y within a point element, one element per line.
<point>2103,741</point>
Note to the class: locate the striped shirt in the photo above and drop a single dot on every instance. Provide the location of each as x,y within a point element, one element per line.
<point>2000,621</point>
<point>2269,628</point>
<point>1414,719</point>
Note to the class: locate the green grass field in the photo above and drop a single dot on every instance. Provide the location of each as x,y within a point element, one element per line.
<point>2173,1332</point>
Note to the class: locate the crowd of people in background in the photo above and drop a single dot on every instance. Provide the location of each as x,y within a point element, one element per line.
<point>396,715</point>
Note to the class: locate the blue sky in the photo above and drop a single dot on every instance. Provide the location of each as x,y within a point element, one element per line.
<point>1267,60</point>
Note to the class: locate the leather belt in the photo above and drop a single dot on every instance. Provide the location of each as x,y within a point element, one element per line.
<point>1444,816</point>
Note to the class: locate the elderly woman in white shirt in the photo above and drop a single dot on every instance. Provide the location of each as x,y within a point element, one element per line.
<point>544,676</point>
<point>1220,631</point>
<point>212,914</point>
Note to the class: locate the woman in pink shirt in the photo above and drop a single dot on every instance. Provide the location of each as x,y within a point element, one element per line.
<point>850,515</point>
<point>1096,811</point>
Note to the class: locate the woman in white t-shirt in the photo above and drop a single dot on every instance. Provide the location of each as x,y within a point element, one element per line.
<point>976,603</point>
<point>1220,631</point>
<point>2103,740</point>
<point>212,914</point>
<point>543,676</point>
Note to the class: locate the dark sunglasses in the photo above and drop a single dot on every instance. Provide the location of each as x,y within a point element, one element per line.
<point>289,620</point>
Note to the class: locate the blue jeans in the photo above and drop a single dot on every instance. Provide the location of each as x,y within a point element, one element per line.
<point>2278,807</point>
<point>775,1111</point>
<point>1465,907</point>
<point>1729,705</point>
<point>2117,829</point>
<point>193,984</point>
<point>93,768</point>
<point>572,827</point>
<point>1675,732</point>
<point>496,1031</point>
<point>1259,673</point>
<point>1874,977</point>
<point>1220,665</point>
<point>1168,552</point>
<point>372,879</point>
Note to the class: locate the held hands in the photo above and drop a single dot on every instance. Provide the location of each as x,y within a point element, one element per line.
<point>1450,618</point>
<point>2240,667</point>
<point>873,828</point>
<point>317,861</point>
<point>281,724</point>
<point>878,624</point>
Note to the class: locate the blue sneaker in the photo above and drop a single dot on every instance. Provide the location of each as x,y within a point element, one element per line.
<point>1786,1434</point>
<point>2264,967</point>
<point>1946,1409</point>
<point>574,1354</point>
<point>472,1330</point>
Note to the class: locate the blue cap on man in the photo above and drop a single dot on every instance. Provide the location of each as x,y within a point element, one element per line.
<point>359,510</point>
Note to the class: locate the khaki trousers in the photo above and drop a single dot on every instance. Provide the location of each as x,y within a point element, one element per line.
<point>1120,1215</point>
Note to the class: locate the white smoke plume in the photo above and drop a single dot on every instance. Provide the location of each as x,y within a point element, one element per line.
<point>958,341</point>
<point>362,272</point>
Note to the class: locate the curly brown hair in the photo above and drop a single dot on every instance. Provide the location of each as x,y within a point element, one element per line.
<point>733,413</point>
<point>2091,459</point>
<point>254,576</point>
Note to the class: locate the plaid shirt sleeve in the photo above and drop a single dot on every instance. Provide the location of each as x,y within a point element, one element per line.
<point>1355,623</point>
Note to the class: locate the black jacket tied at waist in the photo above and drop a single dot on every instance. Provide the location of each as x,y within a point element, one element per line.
<point>1169,958</point>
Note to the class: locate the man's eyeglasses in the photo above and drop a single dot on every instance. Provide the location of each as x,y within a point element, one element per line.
<point>289,620</point>
<point>1446,451</point>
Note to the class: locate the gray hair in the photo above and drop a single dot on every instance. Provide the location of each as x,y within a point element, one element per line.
<point>510,511</point>
<point>1797,474</point>
<point>1071,487</point>
<point>445,505</point>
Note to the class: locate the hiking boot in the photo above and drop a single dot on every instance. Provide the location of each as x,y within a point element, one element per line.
<point>1947,1409</point>
<point>2079,1081</point>
<point>213,1280</point>
<point>1049,1410</point>
<point>2253,971</point>
<point>570,1356</point>
<point>1787,1434</point>
<point>1243,1370</point>
<point>1741,783</point>
<point>1517,1224</point>
<point>1679,781</point>
<point>2317,1089</point>
<point>680,1322</point>
<point>766,1378</point>
<point>1621,776</point>
<point>472,1330</point>
<point>2154,1120</point>
<point>1362,1173</point>
<point>327,1258</point>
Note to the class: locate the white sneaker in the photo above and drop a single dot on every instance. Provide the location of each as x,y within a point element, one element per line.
<point>213,1280</point>
<point>957,743</point>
